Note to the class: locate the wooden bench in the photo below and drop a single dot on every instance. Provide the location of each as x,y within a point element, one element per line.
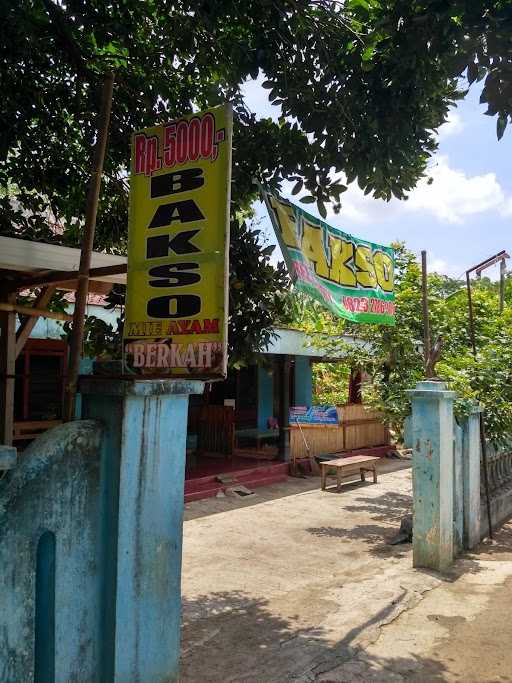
<point>346,466</point>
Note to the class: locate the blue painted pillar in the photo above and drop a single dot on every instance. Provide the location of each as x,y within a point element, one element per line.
<point>471,477</point>
<point>303,381</point>
<point>142,473</point>
<point>85,368</point>
<point>458,491</point>
<point>432,436</point>
<point>8,457</point>
<point>265,396</point>
<point>408,432</point>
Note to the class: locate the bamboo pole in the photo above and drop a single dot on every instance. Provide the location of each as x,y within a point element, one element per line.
<point>91,210</point>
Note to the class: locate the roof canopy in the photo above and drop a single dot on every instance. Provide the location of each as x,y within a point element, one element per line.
<point>298,343</point>
<point>25,262</point>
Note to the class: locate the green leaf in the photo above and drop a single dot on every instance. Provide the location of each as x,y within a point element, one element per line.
<point>472,72</point>
<point>297,187</point>
<point>321,209</point>
<point>501,124</point>
<point>308,199</point>
<point>368,53</point>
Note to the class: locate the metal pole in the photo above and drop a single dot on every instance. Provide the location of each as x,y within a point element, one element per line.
<point>471,316</point>
<point>91,210</point>
<point>426,325</point>
<point>483,443</point>
<point>503,268</point>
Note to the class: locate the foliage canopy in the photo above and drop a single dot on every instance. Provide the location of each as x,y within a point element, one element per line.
<point>393,357</point>
<point>362,85</point>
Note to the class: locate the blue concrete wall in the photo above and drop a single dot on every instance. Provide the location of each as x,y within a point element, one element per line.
<point>49,518</point>
<point>265,396</point>
<point>303,381</point>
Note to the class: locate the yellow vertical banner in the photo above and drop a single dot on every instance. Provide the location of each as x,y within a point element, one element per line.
<point>178,248</point>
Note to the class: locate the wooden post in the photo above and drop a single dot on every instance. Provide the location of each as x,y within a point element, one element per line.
<point>7,369</point>
<point>29,322</point>
<point>284,408</point>
<point>91,211</point>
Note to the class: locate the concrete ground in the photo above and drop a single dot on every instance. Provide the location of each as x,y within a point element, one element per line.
<point>296,584</point>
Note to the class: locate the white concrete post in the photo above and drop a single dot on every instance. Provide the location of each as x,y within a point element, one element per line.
<point>471,477</point>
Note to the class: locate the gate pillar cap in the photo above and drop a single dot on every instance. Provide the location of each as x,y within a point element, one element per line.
<point>435,390</point>
<point>140,387</point>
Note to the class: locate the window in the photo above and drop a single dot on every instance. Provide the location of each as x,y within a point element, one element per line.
<point>40,376</point>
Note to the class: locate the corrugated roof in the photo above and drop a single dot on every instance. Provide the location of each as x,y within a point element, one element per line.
<point>30,257</point>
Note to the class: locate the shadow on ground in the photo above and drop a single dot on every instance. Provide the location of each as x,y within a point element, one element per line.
<point>230,637</point>
<point>388,508</point>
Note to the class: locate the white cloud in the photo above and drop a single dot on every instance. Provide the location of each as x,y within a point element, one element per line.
<point>453,126</point>
<point>506,209</point>
<point>453,195</point>
<point>442,267</point>
<point>450,197</point>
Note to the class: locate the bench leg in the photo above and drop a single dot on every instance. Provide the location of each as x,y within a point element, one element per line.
<point>323,473</point>
<point>374,475</point>
<point>338,479</point>
<point>363,477</point>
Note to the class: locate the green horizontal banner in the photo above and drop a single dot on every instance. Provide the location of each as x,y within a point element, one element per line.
<point>351,277</point>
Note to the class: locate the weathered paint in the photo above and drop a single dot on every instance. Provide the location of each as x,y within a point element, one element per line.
<point>471,477</point>
<point>458,490</point>
<point>44,626</point>
<point>8,457</point>
<point>265,396</point>
<point>408,438</point>
<point>432,434</point>
<point>85,368</point>
<point>53,490</point>
<point>144,459</point>
<point>303,381</point>
<point>499,462</point>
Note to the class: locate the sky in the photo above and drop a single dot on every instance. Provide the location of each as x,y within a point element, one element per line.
<point>463,217</point>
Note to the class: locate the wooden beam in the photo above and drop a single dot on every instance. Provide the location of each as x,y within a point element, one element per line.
<point>37,312</point>
<point>30,321</point>
<point>59,277</point>
<point>7,369</point>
